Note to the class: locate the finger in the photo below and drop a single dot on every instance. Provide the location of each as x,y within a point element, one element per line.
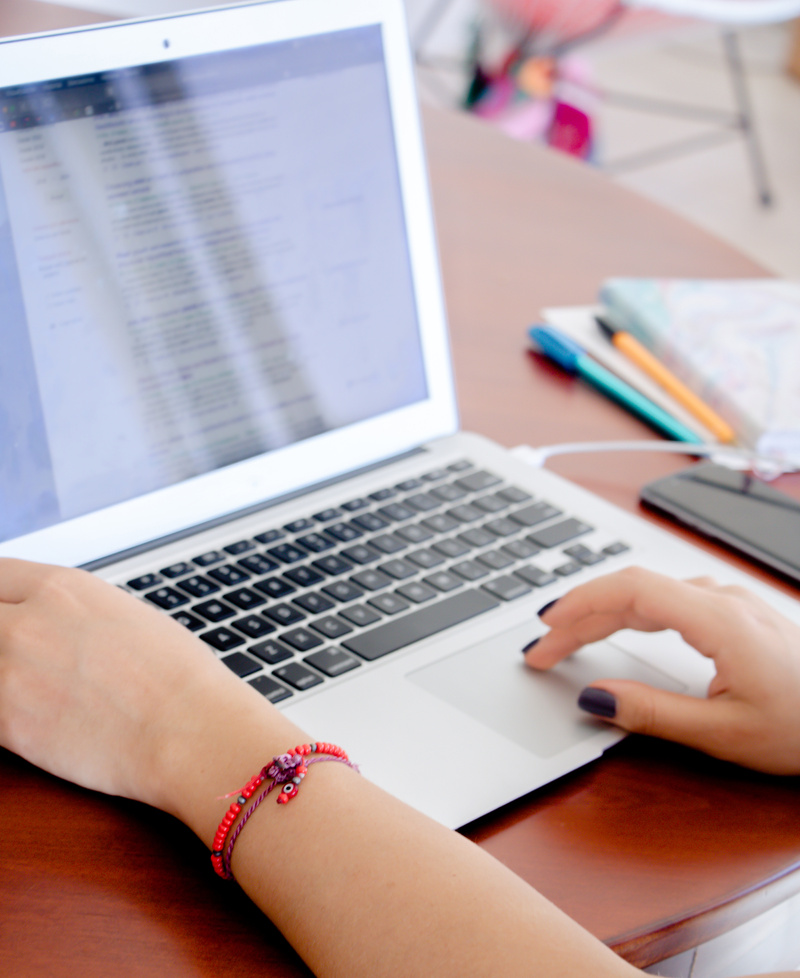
<point>18,578</point>
<point>631,598</point>
<point>711,725</point>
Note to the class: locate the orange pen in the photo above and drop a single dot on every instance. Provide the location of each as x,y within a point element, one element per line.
<point>630,347</point>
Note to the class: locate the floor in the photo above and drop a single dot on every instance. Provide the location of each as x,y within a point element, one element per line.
<point>682,62</point>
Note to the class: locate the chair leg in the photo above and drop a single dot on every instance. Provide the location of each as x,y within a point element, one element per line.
<point>746,121</point>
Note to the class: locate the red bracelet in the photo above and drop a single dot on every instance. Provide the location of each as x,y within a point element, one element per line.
<point>287,772</point>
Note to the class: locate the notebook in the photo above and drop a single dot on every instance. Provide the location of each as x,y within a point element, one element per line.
<point>225,386</point>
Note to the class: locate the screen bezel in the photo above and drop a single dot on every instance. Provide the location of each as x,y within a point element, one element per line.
<point>258,480</point>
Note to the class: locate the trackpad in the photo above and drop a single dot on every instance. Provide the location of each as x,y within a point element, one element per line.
<point>537,710</point>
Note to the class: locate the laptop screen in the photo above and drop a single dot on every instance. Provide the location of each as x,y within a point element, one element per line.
<point>201,260</point>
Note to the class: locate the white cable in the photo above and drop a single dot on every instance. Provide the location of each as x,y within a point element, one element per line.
<point>740,459</point>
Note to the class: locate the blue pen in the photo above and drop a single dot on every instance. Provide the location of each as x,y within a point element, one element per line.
<point>573,358</point>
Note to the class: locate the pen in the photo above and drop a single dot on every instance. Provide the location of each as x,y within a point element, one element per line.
<point>572,357</point>
<point>629,346</point>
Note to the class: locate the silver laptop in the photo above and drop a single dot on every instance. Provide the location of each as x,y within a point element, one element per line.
<point>225,386</point>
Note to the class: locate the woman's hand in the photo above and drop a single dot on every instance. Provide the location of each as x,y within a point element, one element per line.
<point>101,689</point>
<point>751,714</point>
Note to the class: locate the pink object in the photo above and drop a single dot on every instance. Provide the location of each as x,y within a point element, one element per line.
<point>496,98</point>
<point>571,131</point>
<point>528,120</point>
<point>562,17</point>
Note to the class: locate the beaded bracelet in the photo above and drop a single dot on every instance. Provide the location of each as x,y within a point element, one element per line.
<point>287,772</point>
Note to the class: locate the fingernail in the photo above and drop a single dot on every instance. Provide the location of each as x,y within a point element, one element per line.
<point>598,701</point>
<point>530,645</point>
<point>546,607</point>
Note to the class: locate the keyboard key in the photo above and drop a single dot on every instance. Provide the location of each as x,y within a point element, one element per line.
<point>208,558</point>
<point>333,662</point>
<point>476,481</point>
<point>331,626</point>
<point>355,504</point>
<point>461,465</point>
<point>268,688</point>
<point>477,537</point>
<point>426,621</point>
<point>565,570</point>
<point>417,592</point>
<point>241,664</point>
<point>535,575</point>
<point>192,622</point>
<point>423,501</point>
<point>584,555</point>
<point>214,610</point>
<point>360,554</point>
<point>314,603</point>
<point>299,526</point>
<point>389,604</point>
<point>448,493</point>
<point>301,639</point>
<point>287,553</point>
<point>332,565</point>
<point>490,504</point>
<point>451,548</point>
<point>470,570</point>
<point>222,639</point>
<point>359,614</point>
<point>380,494</point>
<point>304,576</point>
<point>426,559</point>
<point>371,580</point>
<point>315,542</point>
<point>435,475</point>
<point>441,523</point>
<point>388,543</point>
<point>167,598</point>
<point>514,494</point>
<point>502,527</point>
<point>240,547</point>
<point>444,581</point>
<point>370,522</point>
<point>408,485</point>
<point>271,651</point>
<point>507,588</point>
<point>253,626</point>
<point>269,536</point>
<point>465,513</point>
<point>520,549</point>
<point>198,587</point>
<point>298,676</point>
<point>398,568</point>
<point>615,548</point>
<point>535,513</point>
<point>229,575</point>
<point>145,581</point>
<point>343,591</point>
<point>343,532</point>
<point>559,533</point>
<point>259,564</point>
<point>245,599</point>
<point>177,570</point>
<point>326,515</point>
<point>274,587</point>
<point>396,512</point>
<point>284,614</point>
<point>414,533</point>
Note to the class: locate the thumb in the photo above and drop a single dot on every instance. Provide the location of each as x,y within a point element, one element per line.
<point>638,708</point>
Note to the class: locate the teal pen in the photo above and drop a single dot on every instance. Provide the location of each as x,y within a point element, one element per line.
<point>572,357</point>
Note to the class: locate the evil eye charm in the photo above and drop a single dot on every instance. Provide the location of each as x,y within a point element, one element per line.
<point>288,791</point>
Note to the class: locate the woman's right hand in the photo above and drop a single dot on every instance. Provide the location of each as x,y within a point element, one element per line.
<point>751,714</point>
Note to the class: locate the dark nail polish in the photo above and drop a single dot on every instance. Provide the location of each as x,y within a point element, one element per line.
<point>598,701</point>
<point>530,645</point>
<point>546,607</point>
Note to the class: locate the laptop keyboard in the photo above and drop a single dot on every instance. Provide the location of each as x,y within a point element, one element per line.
<point>308,601</point>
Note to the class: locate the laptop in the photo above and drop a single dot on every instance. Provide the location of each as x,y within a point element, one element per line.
<point>225,386</point>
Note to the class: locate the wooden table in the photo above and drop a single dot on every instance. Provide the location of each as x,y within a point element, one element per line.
<point>653,848</point>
